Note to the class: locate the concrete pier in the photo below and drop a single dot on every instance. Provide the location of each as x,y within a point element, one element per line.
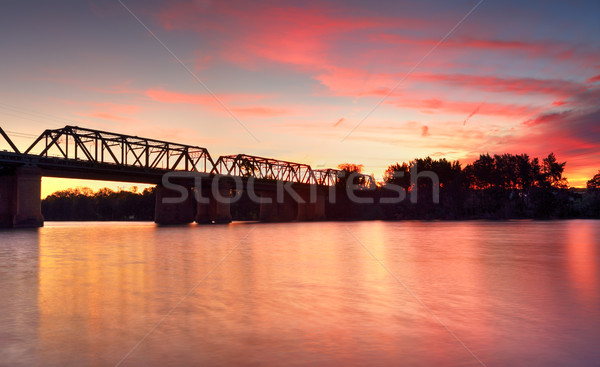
<point>287,210</point>
<point>268,206</point>
<point>220,206</point>
<point>202,197</point>
<point>173,213</point>
<point>28,213</point>
<point>8,196</point>
<point>316,210</point>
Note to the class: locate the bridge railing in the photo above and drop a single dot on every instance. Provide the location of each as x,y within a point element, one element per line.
<point>72,142</point>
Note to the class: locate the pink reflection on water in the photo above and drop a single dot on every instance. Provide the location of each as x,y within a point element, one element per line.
<point>582,259</point>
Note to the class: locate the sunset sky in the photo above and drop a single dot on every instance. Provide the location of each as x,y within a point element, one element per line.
<point>318,82</point>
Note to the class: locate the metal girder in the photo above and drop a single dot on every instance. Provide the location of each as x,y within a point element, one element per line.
<point>12,145</point>
<point>327,177</point>
<point>277,170</point>
<point>72,142</point>
<point>264,168</point>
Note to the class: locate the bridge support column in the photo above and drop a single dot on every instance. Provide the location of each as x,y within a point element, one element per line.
<point>173,213</point>
<point>220,205</point>
<point>306,208</point>
<point>8,196</point>
<point>28,199</point>
<point>286,210</point>
<point>202,208</point>
<point>268,210</point>
<point>301,212</point>
<point>316,210</point>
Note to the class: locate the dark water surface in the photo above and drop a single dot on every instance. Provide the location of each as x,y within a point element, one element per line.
<point>517,293</point>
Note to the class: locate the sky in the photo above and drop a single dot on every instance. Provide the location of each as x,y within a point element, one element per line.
<point>316,82</point>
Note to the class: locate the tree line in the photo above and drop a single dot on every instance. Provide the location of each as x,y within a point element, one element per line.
<point>84,204</point>
<point>494,187</point>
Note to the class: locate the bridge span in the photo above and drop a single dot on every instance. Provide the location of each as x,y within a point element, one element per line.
<point>191,186</point>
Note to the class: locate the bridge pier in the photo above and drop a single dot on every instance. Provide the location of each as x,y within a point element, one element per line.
<point>268,206</point>
<point>316,210</point>
<point>217,210</point>
<point>173,213</point>
<point>202,213</point>
<point>287,210</point>
<point>220,205</point>
<point>8,196</point>
<point>301,212</point>
<point>28,212</point>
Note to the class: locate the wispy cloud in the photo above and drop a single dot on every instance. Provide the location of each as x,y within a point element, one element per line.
<point>473,113</point>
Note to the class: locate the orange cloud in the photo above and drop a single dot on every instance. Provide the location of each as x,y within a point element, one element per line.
<point>260,111</point>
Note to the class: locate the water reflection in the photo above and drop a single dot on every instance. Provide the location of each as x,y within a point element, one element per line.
<point>19,297</point>
<point>516,293</point>
<point>582,256</point>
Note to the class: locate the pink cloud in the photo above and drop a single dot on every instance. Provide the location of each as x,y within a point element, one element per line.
<point>164,96</point>
<point>473,113</point>
<point>547,49</point>
<point>237,103</point>
<point>104,110</point>
<point>435,106</point>
<point>339,122</point>
<point>358,82</point>
<point>301,36</point>
<point>554,87</point>
<point>105,116</point>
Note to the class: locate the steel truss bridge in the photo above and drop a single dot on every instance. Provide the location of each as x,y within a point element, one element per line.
<point>68,151</point>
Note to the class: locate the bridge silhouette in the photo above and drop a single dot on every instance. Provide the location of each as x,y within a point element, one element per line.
<point>285,190</point>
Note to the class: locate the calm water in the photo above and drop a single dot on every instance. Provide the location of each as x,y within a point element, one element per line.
<point>363,293</point>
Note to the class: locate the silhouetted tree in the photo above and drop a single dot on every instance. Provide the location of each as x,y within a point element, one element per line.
<point>552,172</point>
<point>594,182</point>
<point>499,186</point>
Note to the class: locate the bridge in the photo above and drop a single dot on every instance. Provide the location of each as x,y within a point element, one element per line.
<point>285,190</point>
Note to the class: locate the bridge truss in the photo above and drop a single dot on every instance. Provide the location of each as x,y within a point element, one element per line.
<point>76,146</point>
<point>75,143</point>
<point>10,143</point>
<point>264,168</point>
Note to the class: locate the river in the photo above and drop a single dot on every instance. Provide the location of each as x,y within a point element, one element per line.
<point>467,293</point>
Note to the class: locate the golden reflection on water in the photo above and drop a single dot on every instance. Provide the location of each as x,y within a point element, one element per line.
<point>515,293</point>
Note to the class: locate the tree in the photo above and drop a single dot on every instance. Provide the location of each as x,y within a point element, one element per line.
<point>594,183</point>
<point>552,172</point>
<point>398,174</point>
<point>481,172</point>
<point>351,167</point>
<point>347,170</point>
